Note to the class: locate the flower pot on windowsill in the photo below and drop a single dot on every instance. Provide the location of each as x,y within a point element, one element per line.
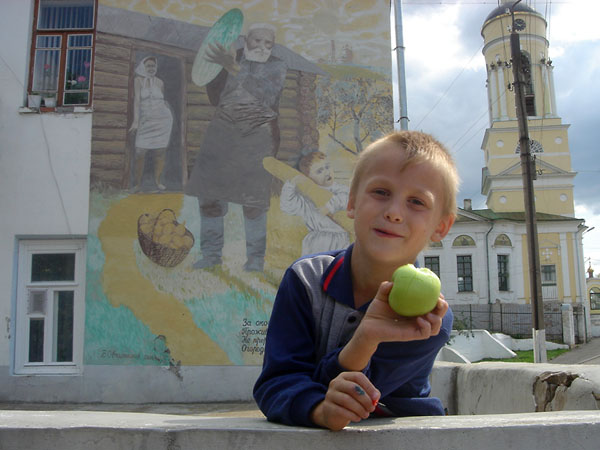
<point>50,102</point>
<point>34,101</point>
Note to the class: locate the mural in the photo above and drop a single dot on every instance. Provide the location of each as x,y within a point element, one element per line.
<point>223,140</point>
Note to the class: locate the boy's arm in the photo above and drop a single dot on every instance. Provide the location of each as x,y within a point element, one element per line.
<point>288,387</point>
<point>382,324</point>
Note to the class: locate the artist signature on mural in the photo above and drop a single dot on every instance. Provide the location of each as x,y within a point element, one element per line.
<point>113,354</point>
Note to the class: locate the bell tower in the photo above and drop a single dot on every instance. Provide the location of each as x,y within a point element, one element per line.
<point>501,181</point>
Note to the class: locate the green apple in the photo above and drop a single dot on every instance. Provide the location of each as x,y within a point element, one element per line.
<point>415,291</point>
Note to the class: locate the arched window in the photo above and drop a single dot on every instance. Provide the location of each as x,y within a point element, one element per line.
<point>463,241</point>
<point>502,241</point>
<point>528,84</point>
<point>433,244</point>
<point>534,147</point>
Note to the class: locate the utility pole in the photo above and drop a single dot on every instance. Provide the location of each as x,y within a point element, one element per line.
<point>528,172</point>
<point>399,49</point>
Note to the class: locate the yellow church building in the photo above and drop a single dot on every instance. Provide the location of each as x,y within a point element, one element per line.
<point>484,260</point>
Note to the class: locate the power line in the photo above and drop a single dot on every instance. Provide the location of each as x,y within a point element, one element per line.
<point>448,88</point>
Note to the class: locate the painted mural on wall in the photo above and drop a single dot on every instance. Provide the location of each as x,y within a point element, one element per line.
<point>223,139</point>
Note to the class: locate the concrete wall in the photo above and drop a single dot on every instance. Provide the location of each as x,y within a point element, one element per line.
<point>44,164</point>
<point>501,388</point>
<point>482,388</point>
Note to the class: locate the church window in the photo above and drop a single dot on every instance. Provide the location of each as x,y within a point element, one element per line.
<point>534,147</point>
<point>463,241</point>
<point>502,241</point>
<point>464,269</point>
<point>548,274</point>
<point>503,272</point>
<point>528,85</point>
<point>433,264</point>
<point>595,300</point>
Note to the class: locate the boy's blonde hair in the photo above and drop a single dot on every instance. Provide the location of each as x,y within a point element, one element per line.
<point>418,147</point>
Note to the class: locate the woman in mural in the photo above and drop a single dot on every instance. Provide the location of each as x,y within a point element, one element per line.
<point>152,121</point>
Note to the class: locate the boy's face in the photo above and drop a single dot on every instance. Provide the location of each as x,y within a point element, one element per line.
<point>397,210</point>
<point>320,172</point>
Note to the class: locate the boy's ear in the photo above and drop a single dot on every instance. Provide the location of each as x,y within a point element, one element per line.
<point>443,227</point>
<point>350,207</point>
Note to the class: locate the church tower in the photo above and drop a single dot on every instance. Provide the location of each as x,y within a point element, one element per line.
<point>501,178</point>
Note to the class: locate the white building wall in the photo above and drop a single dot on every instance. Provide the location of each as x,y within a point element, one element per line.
<point>44,164</point>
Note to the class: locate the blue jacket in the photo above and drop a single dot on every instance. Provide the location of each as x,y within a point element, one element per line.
<point>313,318</point>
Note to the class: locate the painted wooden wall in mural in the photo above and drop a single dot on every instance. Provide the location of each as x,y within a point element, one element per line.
<point>215,166</point>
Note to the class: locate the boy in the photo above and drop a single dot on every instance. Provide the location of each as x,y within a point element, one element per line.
<point>324,233</point>
<point>334,346</point>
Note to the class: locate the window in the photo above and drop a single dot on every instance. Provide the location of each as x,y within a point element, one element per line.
<point>548,275</point>
<point>502,241</point>
<point>50,304</point>
<point>595,299</point>
<point>62,51</point>
<point>465,273</point>
<point>463,241</point>
<point>433,264</point>
<point>528,83</point>
<point>503,272</point>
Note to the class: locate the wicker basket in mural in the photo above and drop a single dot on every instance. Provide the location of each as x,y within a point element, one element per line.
<point>162,239</point>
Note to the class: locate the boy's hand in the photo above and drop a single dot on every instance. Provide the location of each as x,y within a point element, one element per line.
<point>350,397</point>
<point>382,324</point>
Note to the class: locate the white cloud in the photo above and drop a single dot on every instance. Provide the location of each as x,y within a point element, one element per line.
<point>574,22</point>
<point>425,49</point>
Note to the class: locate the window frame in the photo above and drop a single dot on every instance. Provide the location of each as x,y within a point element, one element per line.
<point>430,266</point>
<point>23,313</point>
<point>463,279</point>
<point>64,48</point>
<point>551,282</point>
<point>503,275</point>
<point>593,293</point>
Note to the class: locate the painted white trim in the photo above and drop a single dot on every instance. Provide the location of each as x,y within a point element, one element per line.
<point>27,248</point>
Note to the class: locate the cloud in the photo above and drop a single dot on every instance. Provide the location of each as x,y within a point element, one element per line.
<point>569,24</point>
<point>446,92</point>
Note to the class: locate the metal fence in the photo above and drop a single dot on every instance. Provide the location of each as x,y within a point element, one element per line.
<point>516,320</point>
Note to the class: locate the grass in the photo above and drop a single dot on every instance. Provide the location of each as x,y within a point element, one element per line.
<point>527,356</point>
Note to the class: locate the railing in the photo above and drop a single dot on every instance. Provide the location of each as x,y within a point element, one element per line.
<point>516,320</point>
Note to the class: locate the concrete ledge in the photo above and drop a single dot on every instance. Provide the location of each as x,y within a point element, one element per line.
<point>88,430</point>
<point>498,388</point>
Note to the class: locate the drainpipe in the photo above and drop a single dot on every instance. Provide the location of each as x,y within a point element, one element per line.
<point>489,280</point>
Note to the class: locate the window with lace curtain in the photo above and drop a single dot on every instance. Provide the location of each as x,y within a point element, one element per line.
<point>62,51</point>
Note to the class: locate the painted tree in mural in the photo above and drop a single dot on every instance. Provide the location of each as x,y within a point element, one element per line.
<point>361,107</point>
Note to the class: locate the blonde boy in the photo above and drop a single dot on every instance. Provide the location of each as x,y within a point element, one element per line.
<point>335,350</point>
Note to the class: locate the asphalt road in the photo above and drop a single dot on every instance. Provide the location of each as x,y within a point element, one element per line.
<point>588,353</point>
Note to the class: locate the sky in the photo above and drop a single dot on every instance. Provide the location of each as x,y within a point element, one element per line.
<point>446,91</point>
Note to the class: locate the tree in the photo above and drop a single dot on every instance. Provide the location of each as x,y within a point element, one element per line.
<point>361,107</point>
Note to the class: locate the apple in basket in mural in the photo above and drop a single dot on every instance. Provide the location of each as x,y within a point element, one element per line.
<point>164,240</point>
<point>415,291</point>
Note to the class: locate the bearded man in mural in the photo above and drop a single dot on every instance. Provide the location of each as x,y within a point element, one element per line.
<point>243,131</point>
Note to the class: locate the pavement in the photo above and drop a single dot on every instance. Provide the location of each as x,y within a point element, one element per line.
<point>588,353</point>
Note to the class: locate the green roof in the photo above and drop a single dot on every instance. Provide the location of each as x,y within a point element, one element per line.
<point>518,216</point>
